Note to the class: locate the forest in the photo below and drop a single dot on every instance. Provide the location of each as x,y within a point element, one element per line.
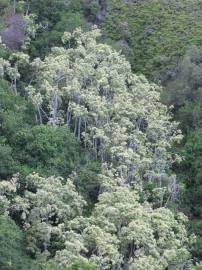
<point>100,135</point>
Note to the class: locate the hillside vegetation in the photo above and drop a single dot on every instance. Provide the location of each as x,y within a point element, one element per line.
<point>100,134</point>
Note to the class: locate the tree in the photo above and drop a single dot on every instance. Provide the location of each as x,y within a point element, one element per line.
<point>121,233</point>
<point>90,87</point>
<point>11,68</point>
<point>47,150</point>
<point>78,265</point>
<point>183,90</point>
<point>190,172</point>
<point>7,164</point>
<point>27,147</point>
<point>127,235</point>
<point>192,160</point>
<point>53,18</point>
<point>45,211</point>
<point>185,84</point>
<point>15,113</point>
<point>13,247</point>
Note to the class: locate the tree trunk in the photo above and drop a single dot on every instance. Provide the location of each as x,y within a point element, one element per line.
<point>85,123</point>
<point>68,118</point>
<point>14,6</point>
<point>40,116</point>
<point>130,173</point>
<point>75,127</point>
<point>27,8</point>
<point>79,129</point>
<point>14,86</point>
<point>54,108</point>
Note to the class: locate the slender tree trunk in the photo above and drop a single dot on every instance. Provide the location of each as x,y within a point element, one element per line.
<point>27,8</point>
<point>79,129</point>
<point>68,118</point>
<point>85,123</point>
<point>101,267</point>
<point>40,116</point>
<point>14,6</point>
<point>14,86</point>
<point>45,114</point>
<point>102,156</point>
<point>75,127</point>
<point>130,173</point>
<point>96,148</point>
<point>36,118</point>
<point>54,109</point>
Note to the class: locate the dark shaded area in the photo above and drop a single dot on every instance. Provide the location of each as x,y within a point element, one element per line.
<point>13,254</point>
<point>13,35</point>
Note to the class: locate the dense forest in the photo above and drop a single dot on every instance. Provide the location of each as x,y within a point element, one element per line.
<point>100,135</point>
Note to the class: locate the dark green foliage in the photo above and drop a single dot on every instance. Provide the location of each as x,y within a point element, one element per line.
<point>193,171</point>
<point>12,247</point>
<point>7,164</point>
<point>196,227</point>
<point>190,116</point>
<point>78,265</point>
<point>49,38</point>
<point>54,17</point>
<point>156,37</point>
<point>190,172</point>
<point>185,83</point>
<point>87,182</point>
<point>47,150</point>
<point>4,52</point>
<point>52,150</point>
<point>26,147</point>
<point>15,113</point>
<point>183,90</point>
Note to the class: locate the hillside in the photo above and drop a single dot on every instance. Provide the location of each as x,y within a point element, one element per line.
<point>100,134</point>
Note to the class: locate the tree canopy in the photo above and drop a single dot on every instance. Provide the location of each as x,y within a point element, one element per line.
<point>100,168</point>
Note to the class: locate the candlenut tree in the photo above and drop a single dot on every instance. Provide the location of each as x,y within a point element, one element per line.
<point>11,68</point>
<point>125,234</point>
<point>44,211</point>
<point>121,233</point>
<point>116,114</point>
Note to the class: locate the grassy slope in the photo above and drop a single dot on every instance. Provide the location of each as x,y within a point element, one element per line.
<point>156,32</point>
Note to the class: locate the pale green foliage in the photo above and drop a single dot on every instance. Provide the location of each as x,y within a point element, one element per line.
<point>45,209</point>
<point>12,67</point>
<point>117,115</point>
<point>121,233</point>
<point>4,65</point>
<point>31,29</point>
<point>127,234</point>
<point>7,192</point>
